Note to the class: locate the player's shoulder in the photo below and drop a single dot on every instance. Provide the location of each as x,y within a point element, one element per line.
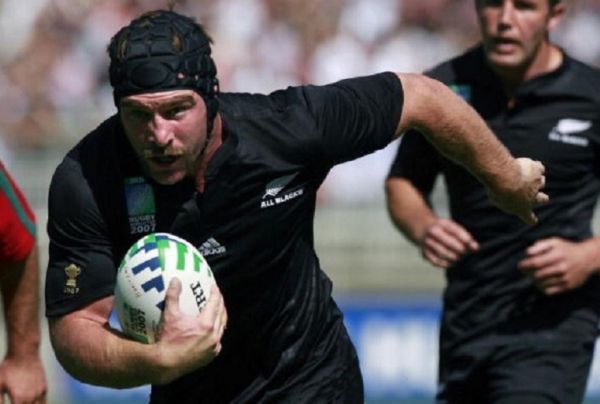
<point>94,153</point>
<point>244,105</point>
<point>462,68</point>
<point>579,79</point>
<point>5,176</point>
<point>257,106</point>
<point>13,202</point>
<point>580,67</point>
<point>253,105</point>
<point>98,141</point>
<point>586,76</point>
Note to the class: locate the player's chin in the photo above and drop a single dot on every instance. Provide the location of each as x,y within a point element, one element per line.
<point>168,178</point>
<point>512,60</point>
<point>165,174</point>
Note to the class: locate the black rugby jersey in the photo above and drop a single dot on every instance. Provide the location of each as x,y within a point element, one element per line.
<point>285,338</point>
<point>555,119</point>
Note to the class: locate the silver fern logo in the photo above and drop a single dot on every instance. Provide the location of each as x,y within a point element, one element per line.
<point>274,187</point>
<point>272,190</point>
<point>565,131</point>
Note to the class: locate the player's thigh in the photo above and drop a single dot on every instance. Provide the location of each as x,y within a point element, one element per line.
<point>463,375</point>
<point>557,371</point>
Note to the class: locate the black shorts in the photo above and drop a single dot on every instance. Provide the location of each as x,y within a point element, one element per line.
<point>330,375</point>
<point>549,363</point>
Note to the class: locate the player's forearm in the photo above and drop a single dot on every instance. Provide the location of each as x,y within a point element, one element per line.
<point>457,131</point>
<point>95,354</point>
<point>20,291</point>
<point>408,209</point>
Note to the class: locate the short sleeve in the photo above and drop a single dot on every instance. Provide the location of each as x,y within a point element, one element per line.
<point>17,221</point>
<point>81,267</point>
<point>356,116</point>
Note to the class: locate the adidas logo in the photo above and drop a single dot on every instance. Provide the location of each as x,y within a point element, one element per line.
<point>566,128</point>
<point>211,247</point>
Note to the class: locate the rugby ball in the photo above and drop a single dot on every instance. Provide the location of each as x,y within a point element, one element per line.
<point>144,276</point>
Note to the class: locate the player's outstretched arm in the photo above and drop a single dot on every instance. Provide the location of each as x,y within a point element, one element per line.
<point>458,132</point>
<point>22,375</point>
<point>94,353</point>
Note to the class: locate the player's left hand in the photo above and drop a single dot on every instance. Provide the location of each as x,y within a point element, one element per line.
<point>557,265</point>
<point>23,380</point>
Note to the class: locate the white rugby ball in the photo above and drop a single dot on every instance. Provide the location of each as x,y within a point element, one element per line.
<point>143,278</point>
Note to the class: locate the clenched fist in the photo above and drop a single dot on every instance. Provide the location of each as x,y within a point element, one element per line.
<point>520,194</point>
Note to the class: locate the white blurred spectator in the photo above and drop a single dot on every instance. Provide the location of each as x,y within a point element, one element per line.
<point>235,26</point>
<point>54,83</point>
<point>17,19</point>
<point>413,50</point>
<point>370,20</point>
<point>337,58</point>
<point>580,36</point>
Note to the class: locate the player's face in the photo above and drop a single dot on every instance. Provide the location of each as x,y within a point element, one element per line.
<point>514,31</point>
<point>167,131</point>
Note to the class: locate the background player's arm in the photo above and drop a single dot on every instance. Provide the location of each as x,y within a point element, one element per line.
<point>94,353</point>
<point>458,132</point>
<point>442,241</point>
<point>408,209</point>
<point>21,372</point>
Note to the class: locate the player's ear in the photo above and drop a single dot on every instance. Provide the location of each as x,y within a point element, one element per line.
<point>557,12</point>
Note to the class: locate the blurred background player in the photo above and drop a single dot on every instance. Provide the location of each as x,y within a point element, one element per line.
<point>22,376</point>
<point>240,171</point>
<point>522,302</point>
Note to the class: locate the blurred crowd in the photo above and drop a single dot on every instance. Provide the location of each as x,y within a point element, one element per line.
<point>53,64</point>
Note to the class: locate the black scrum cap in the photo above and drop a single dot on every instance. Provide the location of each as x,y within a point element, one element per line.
<point>163,50</point>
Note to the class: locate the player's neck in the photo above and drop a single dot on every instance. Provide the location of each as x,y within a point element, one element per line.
<point>547,59</point>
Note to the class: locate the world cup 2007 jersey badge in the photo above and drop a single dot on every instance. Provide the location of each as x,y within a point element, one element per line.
<point>72,271</point>
<point>463,91</point>
<point>141,207</point>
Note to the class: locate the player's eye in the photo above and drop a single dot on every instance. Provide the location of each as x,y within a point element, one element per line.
<point>138,114</point>
<point>175,112</point>
<point>525,5</point>
<point>491,3</point>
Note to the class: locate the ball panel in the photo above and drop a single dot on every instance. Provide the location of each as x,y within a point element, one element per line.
<point>144,274</point>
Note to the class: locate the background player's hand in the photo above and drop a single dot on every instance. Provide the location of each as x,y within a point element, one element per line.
<point>557,265</point>
<point>187,342</point>
<point>524,194</point>
<point>23,380</point>
<point>445,242</point>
